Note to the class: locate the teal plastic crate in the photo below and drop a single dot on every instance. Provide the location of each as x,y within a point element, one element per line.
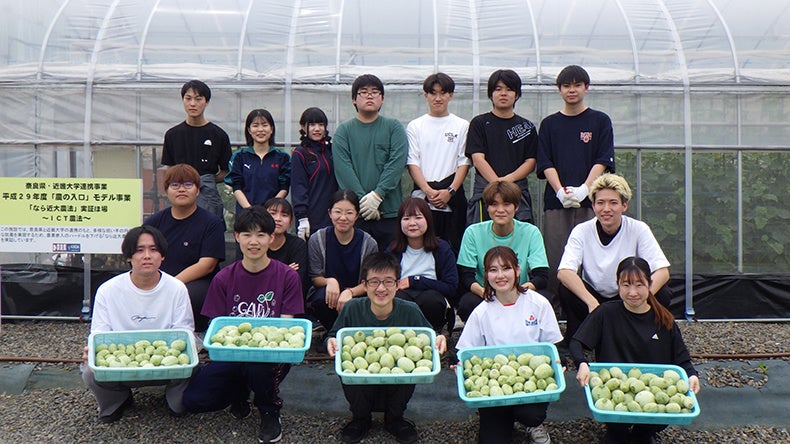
<point>538,348</point>
<point>116,374</point>
<point>257,354</point>
<point>379,379</point>
<point>641,417</point>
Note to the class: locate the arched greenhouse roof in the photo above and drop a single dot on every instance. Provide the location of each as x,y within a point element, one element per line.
<point>332,41</point>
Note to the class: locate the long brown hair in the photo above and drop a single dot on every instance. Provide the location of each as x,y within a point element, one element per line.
<point>507,257</point>
<point>410,207</point>
<point>637,269</point>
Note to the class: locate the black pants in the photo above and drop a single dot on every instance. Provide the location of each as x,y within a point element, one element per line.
<point>631,433</point>
<point>466,304</point>
<point>576,310</point>
<point>197,294</point>
<point>391,399</point>
<point>496,423</point>
<point>382,230</point>
<point>431,303</point>
<point>317,306</point>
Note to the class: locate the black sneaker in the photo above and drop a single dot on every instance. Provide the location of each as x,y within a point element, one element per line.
<point>403,430</point>
<point>240,409</point>
<point>118,413</point>
<point>271,429</point>
<point>355,431</point>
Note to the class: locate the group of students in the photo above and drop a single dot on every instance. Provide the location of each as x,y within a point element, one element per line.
<point>374,259</point>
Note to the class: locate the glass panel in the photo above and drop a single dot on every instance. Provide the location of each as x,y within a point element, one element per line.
<point>715,210</point>
<point>765,212</point>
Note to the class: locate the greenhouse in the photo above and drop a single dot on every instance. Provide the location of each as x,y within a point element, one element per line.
<point>698,92</point>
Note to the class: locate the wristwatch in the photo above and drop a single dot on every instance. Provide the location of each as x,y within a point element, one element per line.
<point>451,191</point>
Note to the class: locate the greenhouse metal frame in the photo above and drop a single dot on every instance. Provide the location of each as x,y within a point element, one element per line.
<point>88,88</point>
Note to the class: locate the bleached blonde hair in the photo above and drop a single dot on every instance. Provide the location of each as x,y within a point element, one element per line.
<point>611,181</point>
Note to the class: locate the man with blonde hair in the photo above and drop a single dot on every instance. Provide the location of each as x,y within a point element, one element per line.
<point>596,247</point>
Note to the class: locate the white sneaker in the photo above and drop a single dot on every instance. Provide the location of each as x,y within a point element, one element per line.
<point>538,435</point>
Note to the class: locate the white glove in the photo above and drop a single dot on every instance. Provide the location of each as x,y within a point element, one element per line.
<point>303,229</point>
<point>369,206</point>
<point>567,197</point>
<point>581,192</point>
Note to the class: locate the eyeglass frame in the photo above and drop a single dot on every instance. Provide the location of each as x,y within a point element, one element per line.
<point>387,282</point>
<point>187,184</point>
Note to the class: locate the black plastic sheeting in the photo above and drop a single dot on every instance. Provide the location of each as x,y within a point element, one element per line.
<point>747,296</point>
<point>46,290</point>
<point>49,291</point>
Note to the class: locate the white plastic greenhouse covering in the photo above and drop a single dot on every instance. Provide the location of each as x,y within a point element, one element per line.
<point>88,88</point>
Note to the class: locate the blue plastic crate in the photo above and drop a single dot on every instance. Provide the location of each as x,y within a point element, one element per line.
<point>379,379</point>
<point>106,374</point>
<point>257,354</point>
<point>641,417</point>
<point>538,348</point>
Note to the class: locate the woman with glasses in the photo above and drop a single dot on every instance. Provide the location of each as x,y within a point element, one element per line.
<point>259,171</point>
<point>429,276</point>
<point>335,256</point>
<point>195,236</point>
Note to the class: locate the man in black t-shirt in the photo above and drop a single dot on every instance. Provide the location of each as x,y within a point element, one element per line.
<point>502,145</point>
<point>201,144</point>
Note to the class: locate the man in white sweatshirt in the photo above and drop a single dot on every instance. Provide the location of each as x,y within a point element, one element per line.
<point>598,245</point>
<point>144,298</point>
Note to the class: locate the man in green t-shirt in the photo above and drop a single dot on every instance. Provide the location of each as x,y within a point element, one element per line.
<point>380,274</point>
<point>369,157</point>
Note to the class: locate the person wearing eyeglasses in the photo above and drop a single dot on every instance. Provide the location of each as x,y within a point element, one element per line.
<point>381,309</point>
<point>369,157</point>
<point>196,237</point>
<point>335,256</point>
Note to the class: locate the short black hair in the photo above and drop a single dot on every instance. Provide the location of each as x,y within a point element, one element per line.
<point>199,87</point>
<point>509,77</point>
<point>380,261</point>
<point>572,74</point>
<point>366,80</point>
<point>444,81</point>
<point>253,218</point>
<point>129,243</point>
<point>280,203</point>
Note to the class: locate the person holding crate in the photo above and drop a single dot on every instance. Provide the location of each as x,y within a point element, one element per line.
<point>255,286</point>
<point>510,314</point>
<point>144,298</point>
<point>636,328</point>
<point>380,274</point>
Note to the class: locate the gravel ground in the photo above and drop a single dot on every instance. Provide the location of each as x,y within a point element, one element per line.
<point>68,415</point>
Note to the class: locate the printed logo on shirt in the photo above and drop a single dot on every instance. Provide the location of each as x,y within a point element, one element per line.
<point>274,166</point>
<point>450,137</point>
<point>531,321</point>
<point>519,132</point>
<point>207,142</point>
<point>655,336</point>
<point>585,136</point>
<point>246,165</point>
<point>142,318</point>
<point>266,297</point>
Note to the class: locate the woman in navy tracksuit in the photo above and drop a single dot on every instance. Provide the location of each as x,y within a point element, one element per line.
<point>429,275</point>
<point>312,174</point>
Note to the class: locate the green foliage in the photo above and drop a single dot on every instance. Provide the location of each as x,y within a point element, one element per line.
<point>766,179</point>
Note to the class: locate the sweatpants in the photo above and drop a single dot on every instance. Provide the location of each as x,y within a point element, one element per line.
<point>217,385</point>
